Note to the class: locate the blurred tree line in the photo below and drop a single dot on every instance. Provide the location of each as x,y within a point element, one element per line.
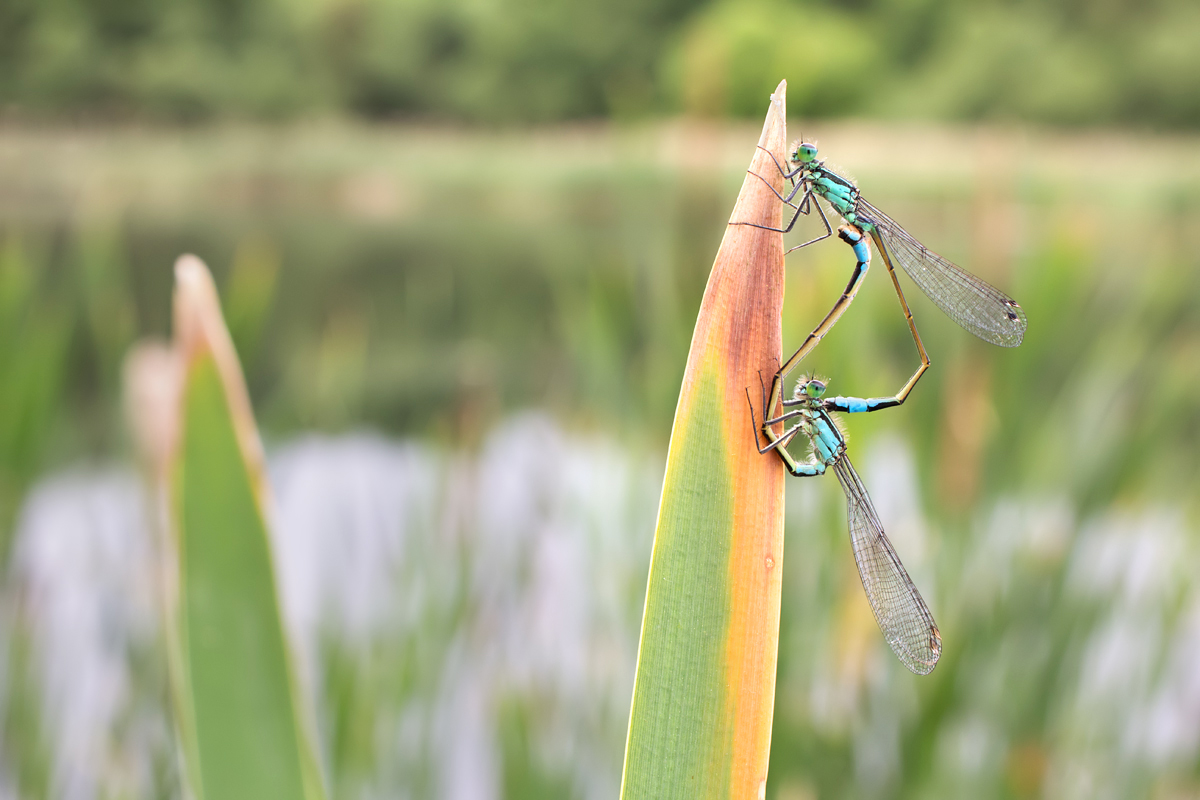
<point>512,61</point>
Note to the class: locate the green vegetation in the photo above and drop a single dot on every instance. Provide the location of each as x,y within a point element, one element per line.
<point>37,357</point>
<point>520,61</point>
<point>243,736</point>
<point>382,281</point>
<point>432,280</point>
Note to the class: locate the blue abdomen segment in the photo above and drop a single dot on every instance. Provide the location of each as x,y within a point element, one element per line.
<point>851,405</point>
<point>858,242</point>
<point>862,253</point>
<point>854,405</point>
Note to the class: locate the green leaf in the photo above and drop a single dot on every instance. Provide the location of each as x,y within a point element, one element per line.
<point>703,698</point>
<point>247,737</point>
<point>240,721</point>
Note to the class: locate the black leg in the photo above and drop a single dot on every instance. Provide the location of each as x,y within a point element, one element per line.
<point>824,219</point>
<point>778,444</point>
<point>800,209</point>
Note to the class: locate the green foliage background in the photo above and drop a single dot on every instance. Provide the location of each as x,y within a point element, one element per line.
<point>404,243</point>
<point>522,61</point>
<point>374,278</point>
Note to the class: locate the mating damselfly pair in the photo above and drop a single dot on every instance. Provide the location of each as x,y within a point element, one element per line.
<point>980,308</point>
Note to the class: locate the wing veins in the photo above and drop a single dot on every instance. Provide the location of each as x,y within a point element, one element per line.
<point>901,613</point>
<point>973,303</point>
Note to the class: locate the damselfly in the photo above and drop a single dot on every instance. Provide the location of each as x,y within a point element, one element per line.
<point>901,613</point>
<point>853,236</point>
<point>971,302</point>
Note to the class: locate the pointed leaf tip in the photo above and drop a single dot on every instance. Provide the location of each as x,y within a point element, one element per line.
<point>197,308</point>
<point>200,330</point>
<point>776,121</point>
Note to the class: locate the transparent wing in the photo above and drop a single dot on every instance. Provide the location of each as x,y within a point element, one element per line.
<point>974,304</point>
<point>901,613</point>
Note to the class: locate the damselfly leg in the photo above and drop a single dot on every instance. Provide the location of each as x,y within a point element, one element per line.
<point>803,207</point>
<point>779,444</point>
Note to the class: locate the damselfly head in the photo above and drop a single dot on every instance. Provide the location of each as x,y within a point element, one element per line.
<point>809,387</point>
<point>803,152</point>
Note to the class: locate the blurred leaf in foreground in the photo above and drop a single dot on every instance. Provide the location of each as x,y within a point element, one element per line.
<point>240,724</point>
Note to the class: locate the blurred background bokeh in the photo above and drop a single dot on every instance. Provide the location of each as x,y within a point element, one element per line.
<point>461,246</point>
